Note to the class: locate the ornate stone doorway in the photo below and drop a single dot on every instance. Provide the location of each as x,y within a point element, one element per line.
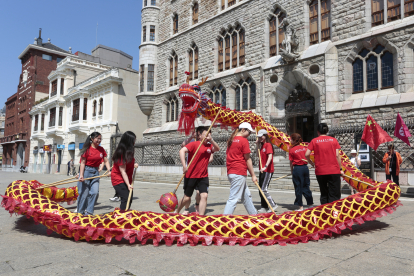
<point>300,114</point>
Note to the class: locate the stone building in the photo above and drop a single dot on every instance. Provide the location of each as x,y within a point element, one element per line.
<point>87,93</point>
<point>38,60</point>
<point>296,62</point>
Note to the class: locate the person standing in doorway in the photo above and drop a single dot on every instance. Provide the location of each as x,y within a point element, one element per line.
<point>392,160</point>
<point>266,171</point>
<point>70,166</point>
<point>92,155</point>
<point>327,164</point>
<point>356,161</point>
<point>238,161</point>
<point>300,172</point>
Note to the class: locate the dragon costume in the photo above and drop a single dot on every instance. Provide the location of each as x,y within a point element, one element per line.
<point>369,203</point>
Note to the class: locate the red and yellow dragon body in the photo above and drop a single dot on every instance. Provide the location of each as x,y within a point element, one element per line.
<point>369,203</point>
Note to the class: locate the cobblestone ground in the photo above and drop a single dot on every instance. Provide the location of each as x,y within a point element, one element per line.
<point>381,247</point>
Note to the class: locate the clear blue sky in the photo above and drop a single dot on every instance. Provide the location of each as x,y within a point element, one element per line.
<point>67,24</point>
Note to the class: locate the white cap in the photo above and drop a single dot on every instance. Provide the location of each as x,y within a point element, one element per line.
<point>261,133</point>
<point>246,125</point>
<point>353,151</point>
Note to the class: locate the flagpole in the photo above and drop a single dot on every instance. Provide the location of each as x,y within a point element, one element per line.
<point>360,143</point>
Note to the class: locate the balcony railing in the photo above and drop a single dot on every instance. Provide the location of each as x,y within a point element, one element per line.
<point>100,113</point>
<point>75,117</point>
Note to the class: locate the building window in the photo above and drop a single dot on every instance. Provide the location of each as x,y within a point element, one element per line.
<point>152,33</point>
<point>172,109</point>
<point>85,108</point>
<point>234,51</point>
<point>144,33</point>
<point>223,4</point>
<point>175,23</point>
<point>62,85</point>
<point>245,95</point>
<point>218,95</point>
<point>60,115</point>
<point>42,123</point>
<point>94,108</point>
<point>46,57</point>
<point>54,88</point>
<point>325,19</point>
<point>193,62</point>
<point>153,2</point>
<point>52,117</point>
<point>145,3</point>
<point>100,106</point>
<point>195,13</point>
<point>141,80</point>
<point>75,112</point>
<point>150,80</point>
<point>393,8</point>
<point>408,8</point>
<point>36,123</point>
<point>231,3</point>
<point>378,73</point>
<point>173,69</point>
<point>276,35</point>
<point>59,60</point>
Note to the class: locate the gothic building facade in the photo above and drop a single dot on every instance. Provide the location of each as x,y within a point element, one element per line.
<point>297,61</point>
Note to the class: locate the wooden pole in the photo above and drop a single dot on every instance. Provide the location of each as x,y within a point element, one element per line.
<point>67,182</point>
<point>59,181</point>
<point>270,206</point>
<point>360,143</point>
<point>258,151</point>
<point>130,191</point>
<point>358,180</point>
<point>191,161</point>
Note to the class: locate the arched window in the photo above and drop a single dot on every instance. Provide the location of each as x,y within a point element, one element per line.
<point>218,95</point>
<point>245,95</point>
<point>233,54</point>
<point>173,69</point>
<point>100,106</point>
<point>195,13</point>
<point>378,72</point>
<point>193,62</point>
<point>172,109</point>
<point>276,35</point>
<point>94,108</point>
<point>325,19</point>
<point>175,23</point>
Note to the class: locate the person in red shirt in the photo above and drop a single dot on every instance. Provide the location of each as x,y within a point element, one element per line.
<point>92,155</point>
<point>197,173</point>
<point>238,162</point>
<point>327,164</point>
<point>121,175</point>
<point>300,172</point>
<point>267,169</point>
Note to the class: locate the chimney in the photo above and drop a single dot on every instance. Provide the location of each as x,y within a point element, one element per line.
<point>39,39</point>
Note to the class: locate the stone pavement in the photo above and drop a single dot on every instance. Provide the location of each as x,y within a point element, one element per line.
<point>381,247</point>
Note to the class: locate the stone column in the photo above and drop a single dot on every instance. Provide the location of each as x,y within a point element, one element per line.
<point>320,22</point>
<point>50,88</point>
<point>57,117</point>
<point>33,122</point>
<point>39,121</point>
<point>81,109</point>
<point>70,112</point>
<point>47,119</point>
<point>402,8</point>
<point>386,11</point>
<point>58,86</point>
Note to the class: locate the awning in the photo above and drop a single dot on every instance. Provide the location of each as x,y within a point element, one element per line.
<point>8,143</point>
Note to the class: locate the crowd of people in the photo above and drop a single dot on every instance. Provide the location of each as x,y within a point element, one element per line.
<point>200,147</point>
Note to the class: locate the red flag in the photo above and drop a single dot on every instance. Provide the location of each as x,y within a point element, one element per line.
<point>401,130</point>
<point>373,134</point>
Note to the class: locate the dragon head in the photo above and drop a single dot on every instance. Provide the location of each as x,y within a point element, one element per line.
<point>192,99</point>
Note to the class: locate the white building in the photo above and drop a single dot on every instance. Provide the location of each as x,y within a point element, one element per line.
<point>84,96</point>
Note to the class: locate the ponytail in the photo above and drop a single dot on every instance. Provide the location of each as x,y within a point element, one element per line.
<point>323,128</point>
<point>88,142</point>
<point>230,140</point>
<point>295,139</point>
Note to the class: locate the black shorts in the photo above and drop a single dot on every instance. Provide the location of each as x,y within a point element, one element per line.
<point>191,183</point>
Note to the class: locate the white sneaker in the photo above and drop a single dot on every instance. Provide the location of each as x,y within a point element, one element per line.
<point>76,210</point>
<point>115,198</point>
<point>262,210</point>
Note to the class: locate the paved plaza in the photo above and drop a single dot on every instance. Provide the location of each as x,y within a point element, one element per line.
<point>381,247</point>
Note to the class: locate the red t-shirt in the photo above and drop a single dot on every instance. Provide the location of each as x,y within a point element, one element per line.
<point>324,148</point>
<point>94,157</point>
<point>265,150</point>
<point>116,176</point>
<point>296,154</point>
<point>236,164</point>
<point>199,167</point>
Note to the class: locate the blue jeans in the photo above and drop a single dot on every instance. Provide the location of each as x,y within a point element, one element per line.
<point>301,181</point>
<point>88,191</point>
<point>239,190</point>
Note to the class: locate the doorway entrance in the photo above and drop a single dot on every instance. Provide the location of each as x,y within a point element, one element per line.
<point>300,114</point>
<point>20,156</point>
